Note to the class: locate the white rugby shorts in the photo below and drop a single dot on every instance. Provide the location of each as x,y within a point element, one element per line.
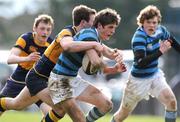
<point>140,88</point>
<point>65,87</point>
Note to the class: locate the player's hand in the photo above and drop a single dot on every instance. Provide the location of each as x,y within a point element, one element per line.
<point>117,68</point>
<point>98,47</point>
<point>35,56</point>
<point>97,62</point>
<point>164,46</point>
<point>118,56</point>
<point>120,67</point>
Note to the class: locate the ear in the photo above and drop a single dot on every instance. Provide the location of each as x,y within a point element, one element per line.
<point>82,22</point>
<point>34,29</point>
<point>99,25</point>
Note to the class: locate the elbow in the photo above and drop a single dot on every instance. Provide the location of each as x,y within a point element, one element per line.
<point>141,64</point>
<point>9,61</point>
<point>66,47</point>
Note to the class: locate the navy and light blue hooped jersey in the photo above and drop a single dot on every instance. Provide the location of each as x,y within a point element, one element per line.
<point>69,63</point>
<point>147,46</point>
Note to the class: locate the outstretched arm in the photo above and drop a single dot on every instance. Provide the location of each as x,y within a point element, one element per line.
<point>15,57</point>
<point>175,43</point>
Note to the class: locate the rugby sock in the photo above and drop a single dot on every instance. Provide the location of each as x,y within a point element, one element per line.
<point>94,114</point>
<point>170,116</point>
<point>2,105</point>
<point>112,120</point>
<point>52,116</point>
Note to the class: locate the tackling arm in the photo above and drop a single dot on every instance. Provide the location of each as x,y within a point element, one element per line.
<point>68,44</point>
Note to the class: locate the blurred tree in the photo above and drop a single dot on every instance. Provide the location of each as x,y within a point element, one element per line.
<point>4,33</point>
<point>61,12</point>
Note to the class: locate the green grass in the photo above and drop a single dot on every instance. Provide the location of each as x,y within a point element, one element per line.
<point>13,116</point>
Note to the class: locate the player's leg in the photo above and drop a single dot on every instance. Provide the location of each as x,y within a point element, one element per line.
<point>165,95</point>
<point>73,110</point>
<point>94,96</point>
<point>168,99</point>
<point>43,107</point>
<point>11,89</point>
<point>21,101</point>
<point>136,89</point>
<point>37,86</point>
<point>62,94</point>
<point>55,113</point>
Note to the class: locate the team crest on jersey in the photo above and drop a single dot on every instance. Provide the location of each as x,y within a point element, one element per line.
<point>32,49</point>
<point>149,46</point>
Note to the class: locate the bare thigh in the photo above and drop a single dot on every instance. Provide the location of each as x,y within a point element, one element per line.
<point>168,99</point>
<point>21,101</point>
<point>94,96</point>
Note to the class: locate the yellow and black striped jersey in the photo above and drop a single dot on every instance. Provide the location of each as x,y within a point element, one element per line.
<point>27,44</point>
<point>50,56</point>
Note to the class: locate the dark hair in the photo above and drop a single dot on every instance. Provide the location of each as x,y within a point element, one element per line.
<point>148,12</point>
<point>107,16</point>
<point>82,12</point>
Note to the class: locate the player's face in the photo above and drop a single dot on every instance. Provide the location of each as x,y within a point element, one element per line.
<point>150,25</point>
<point>91,20</point>
<point>43,31</point>
<point>107,31</point>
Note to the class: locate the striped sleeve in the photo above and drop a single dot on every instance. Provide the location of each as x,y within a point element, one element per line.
<point>141,59</point>
<point>166,34</point>
<point>139,46</point>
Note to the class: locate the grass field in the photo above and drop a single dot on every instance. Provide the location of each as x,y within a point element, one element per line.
<point>13,116</point>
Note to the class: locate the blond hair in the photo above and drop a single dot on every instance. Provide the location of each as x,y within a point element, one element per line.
<point>43,18</point>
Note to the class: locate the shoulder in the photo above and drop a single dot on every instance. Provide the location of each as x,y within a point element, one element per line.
<point>87,33</point>
<point>139,34</point>
<point>27,36</point>
<point>49,40</point>
<point>67,31</point>
<point>24,39</point>
<point>162,28</point>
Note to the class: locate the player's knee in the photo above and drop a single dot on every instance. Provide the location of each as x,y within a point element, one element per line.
<point>173,104</point>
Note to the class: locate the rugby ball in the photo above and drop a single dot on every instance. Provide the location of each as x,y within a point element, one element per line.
<point>87,67</point>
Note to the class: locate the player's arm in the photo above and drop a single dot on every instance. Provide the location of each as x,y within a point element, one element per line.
<point>68,44</point>
<point>15,53</point>
<point>14,56</point>
<point>175,43</point>
<point>143,60</point>
<point>95,59</point>
<point>98,63</point>
<point>115,69</point>
<point>116,55</point>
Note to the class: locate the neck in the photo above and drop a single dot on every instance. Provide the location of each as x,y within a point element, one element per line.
<point>78,28</point>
